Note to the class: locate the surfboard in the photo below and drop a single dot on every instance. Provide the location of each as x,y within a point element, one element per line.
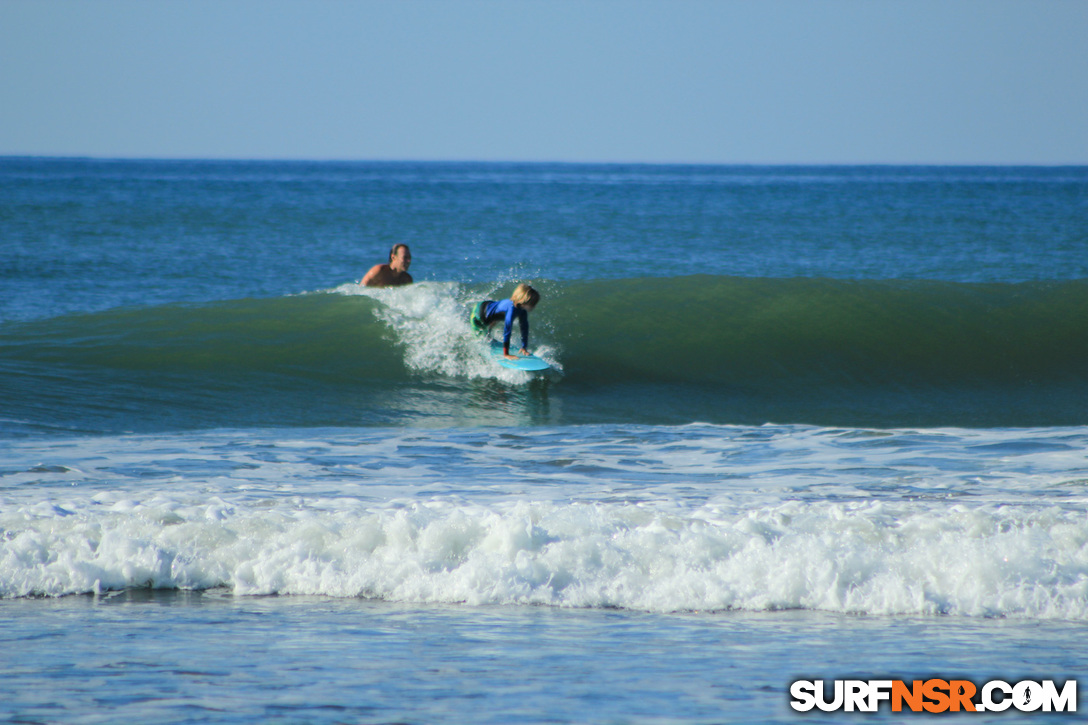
<point>531,363</point>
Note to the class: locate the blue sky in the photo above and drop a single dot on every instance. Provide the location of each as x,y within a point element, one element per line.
<point>700,81</point>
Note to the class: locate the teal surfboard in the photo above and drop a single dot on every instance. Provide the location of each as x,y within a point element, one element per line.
<point>531,363</point>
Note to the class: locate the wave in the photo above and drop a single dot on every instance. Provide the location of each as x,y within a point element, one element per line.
<point>737,330</point>
<point>866,557</point>
<point>765,349</point>
<point>688,329</point>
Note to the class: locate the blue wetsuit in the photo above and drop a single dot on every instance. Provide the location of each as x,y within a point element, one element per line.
<point>488,312</point>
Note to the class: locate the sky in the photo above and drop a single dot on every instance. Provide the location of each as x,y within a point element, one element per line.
<point>654,81</point>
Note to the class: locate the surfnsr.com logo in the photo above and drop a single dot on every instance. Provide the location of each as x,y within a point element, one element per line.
<point>934,695</point>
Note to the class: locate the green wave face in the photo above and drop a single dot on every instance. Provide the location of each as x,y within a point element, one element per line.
<point>734,330</point>
<point>708,348</point>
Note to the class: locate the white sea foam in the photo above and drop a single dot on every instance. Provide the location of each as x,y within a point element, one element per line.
<point>862,557</point>
<point>972,523</point>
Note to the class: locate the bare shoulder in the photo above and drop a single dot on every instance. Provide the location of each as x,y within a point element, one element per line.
<point>375,277</point>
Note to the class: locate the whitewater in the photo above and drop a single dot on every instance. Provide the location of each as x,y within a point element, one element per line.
<point>651,519</point>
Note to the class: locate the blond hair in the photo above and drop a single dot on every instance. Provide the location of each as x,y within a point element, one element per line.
<point>525,295</point>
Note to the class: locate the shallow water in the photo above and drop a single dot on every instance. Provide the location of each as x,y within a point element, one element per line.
<point>178,657</point>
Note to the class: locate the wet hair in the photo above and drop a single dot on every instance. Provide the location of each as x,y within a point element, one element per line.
<point>393,251</point>
<point>525,295</point>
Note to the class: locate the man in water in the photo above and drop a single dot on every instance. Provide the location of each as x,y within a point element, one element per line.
<point>393,274</point>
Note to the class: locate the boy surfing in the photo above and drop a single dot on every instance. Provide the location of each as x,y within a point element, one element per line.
<point>520,304</point>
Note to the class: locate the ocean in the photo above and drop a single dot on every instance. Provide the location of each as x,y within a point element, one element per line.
<point>803,423</point>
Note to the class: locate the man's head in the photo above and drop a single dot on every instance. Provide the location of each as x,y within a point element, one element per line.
<point>400,257</point>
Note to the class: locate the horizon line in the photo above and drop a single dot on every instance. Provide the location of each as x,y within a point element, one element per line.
<point>527,162</point>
